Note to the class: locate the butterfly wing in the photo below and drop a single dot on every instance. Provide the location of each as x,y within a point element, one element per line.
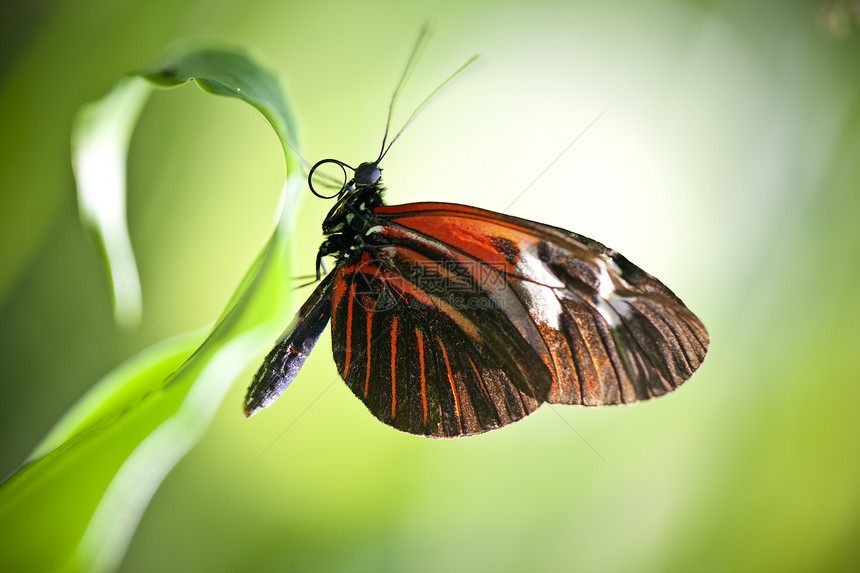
<point>610,333</point>
<point>429,360</point>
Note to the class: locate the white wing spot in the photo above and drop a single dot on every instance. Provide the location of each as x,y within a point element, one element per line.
<point>546,309</point>
<point>610,304</point>
<point>531,267</point>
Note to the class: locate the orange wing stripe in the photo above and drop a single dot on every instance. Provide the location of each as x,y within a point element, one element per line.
<point>367,355</point>
<point>393,366</point>
<point>451,380</point>
<point>480,381</point>
<point>423,378</point>
<point>351,296</point>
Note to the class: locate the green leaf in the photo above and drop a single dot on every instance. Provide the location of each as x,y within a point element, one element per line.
<point>77,500</point>
<point>100,137</point>
<point>229,73</point>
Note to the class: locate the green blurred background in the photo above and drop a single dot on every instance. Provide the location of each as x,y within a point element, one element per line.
<point>727,163</point>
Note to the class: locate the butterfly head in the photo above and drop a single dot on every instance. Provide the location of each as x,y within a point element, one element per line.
<point>367,174</point>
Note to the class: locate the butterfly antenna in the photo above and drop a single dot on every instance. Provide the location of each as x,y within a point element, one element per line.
<point>421,107</point>
<point>420,44</point>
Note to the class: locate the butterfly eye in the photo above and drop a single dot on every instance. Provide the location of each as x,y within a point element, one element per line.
<point>367,174</point>
<point>328,174</point>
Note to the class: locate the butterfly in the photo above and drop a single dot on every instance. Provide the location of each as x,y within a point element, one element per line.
<point>449,320</point>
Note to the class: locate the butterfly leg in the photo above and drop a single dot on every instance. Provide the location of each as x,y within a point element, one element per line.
<point>321,270</point>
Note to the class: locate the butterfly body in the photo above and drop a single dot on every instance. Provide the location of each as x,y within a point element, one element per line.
<point>449,320</point>
<point>346,223</point>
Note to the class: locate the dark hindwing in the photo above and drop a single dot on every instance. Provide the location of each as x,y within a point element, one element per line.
<point>607,331</point>
<point>286,359</point>
<point>430,359</point>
